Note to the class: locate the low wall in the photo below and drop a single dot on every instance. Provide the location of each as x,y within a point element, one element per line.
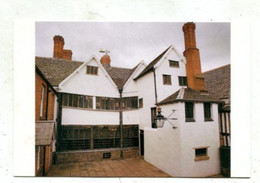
<point>94,155</point>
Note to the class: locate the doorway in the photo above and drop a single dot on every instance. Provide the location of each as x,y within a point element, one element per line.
<point>142,142</point>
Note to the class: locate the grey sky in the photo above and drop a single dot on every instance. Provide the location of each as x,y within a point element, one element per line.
<point>129,43</point>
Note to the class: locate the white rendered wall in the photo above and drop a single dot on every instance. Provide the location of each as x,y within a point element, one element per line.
<point>131,87</point>
<point>146,91</point>
<point>163,67</point>
<point>162,147</point>
<point>131,117</point>
<point>79,116</point>
<point>174,147</point>
<point>93,85</point>
<point>200,134</point>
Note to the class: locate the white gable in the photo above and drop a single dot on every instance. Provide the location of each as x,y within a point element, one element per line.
<point>95,85</point>
<point>130,87</point>
<point>163,68</point>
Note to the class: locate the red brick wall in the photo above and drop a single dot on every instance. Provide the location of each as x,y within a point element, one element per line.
<point>39,82</point>
<point>45,160</point>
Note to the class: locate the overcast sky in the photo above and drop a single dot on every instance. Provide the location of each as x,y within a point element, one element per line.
<point>129,43</point>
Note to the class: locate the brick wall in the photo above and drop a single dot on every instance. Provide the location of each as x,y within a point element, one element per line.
<point>45,160</point>
<point>39,82</point>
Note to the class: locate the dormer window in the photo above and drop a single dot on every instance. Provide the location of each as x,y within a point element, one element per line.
<point>92,70</point>
<point>174,63</point>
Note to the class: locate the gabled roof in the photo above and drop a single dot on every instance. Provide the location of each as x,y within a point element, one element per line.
<point>44,132</point>
<point>150,66</point>
<point>187,94</point>
<point>38,71</point>
<point>120,75</point>
<point>56,70</point>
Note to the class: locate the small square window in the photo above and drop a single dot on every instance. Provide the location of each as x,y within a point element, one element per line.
<point>182,81</point>
<point>167,80</point>
<point>174,63</point>
<point>201,154</point>
<point>92,70</point>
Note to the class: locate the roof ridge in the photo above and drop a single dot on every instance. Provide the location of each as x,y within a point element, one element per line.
<point>120,67</point>
<point>60,59</point>
<point>217,68</point>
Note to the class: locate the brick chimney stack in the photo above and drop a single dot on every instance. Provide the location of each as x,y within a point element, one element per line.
<point>105,61</point>
<point>58,51</point>
<point>193,67</point>
<point>58,46</point>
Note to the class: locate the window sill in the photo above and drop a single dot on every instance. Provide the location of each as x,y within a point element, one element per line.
<point>190,120</point>
<point>208,120</point>
<point>201,158</point>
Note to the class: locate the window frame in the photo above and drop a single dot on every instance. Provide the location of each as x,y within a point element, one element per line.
<point>207,118</point>
<point>202,156</point>
<point>183,81</point>
<point>172,63</point>
<point>167,79</point>
<point>92,70</point>
<point>187,117</point>
<point>42,101</point>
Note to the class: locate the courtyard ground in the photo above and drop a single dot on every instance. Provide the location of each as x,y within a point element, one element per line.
<point>134,167</point>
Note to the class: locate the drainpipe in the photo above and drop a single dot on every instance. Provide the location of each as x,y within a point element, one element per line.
<point>121,122</point>
<point>155,88</point>
<point>47,103</point>
<point>59,130</point>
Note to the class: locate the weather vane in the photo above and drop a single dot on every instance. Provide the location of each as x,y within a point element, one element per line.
<point>104,51</point>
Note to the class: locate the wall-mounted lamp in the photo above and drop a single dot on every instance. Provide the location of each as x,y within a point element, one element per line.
<point>160,119</point>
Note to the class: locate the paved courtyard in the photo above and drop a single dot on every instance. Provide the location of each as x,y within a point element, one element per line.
<point>134,167</point>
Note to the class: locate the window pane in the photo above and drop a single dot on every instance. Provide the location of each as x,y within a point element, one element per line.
<point>201,152</point>
<point>70,100</point>
<point>207,112</point>
<point>65,99</point>
<point>75,100</point>
<point>85,102</point>
<point>189,110</point>
<point>90,100</point>
<point>80,101</point>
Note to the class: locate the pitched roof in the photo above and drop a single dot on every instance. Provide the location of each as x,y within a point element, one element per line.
<point>217,82</point>
<point>150,66</point>
<point>44,133</point>
<point>56,70</point>
<point>120,75</point>
<point>187,94</point>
